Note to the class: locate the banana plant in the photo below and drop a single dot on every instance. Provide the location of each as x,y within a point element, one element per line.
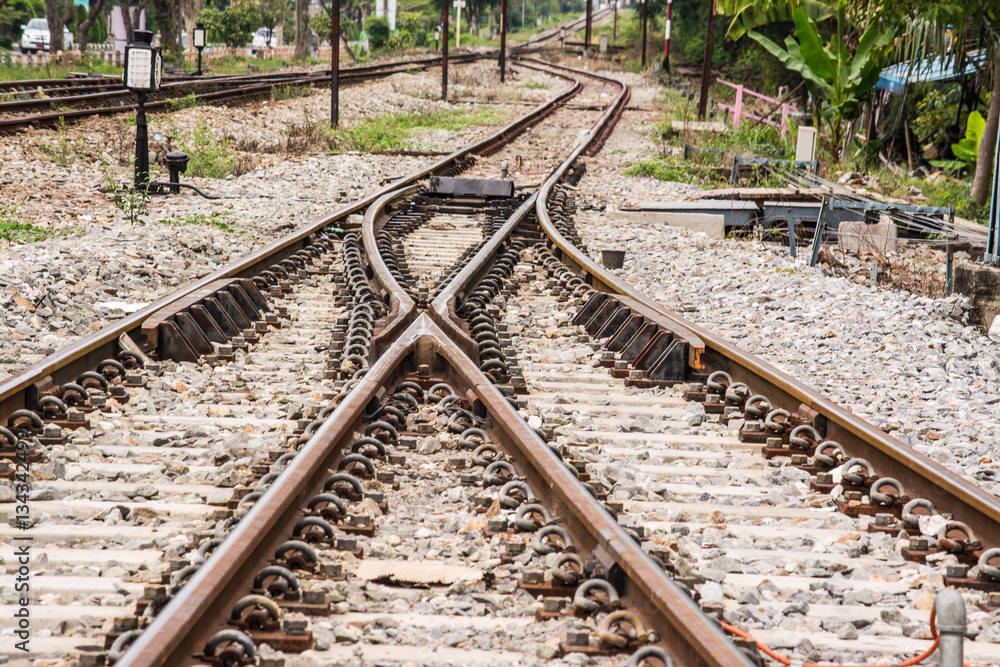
<point>837,78</point>
<point>750,14</point>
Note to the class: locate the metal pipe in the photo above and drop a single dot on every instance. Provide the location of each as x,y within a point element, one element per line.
<point>706,66</point>
<point>444,50</point>
<point>335,63</point>
<point>645,18</point>
<point>950,609</point>
<point>503,37</point>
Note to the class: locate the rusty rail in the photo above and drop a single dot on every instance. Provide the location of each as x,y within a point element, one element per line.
<point>20,390</point>
<point>921,475</point>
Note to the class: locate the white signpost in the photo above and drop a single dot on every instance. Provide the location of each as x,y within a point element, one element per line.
<point>459,5</point>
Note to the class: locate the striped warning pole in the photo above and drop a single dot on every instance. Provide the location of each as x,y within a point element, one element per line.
<point>666,40</point>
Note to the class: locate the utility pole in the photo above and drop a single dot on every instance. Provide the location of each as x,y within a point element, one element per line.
<point>666,41</point>
<point>334,63</point>
<point>503,37</point>
<point>444,50</point>
<point>645,16</point>
<point>706,68</point>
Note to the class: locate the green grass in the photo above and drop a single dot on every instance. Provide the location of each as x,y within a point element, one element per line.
<point>53,71</point>
<point>291,92</point>
<point>186,102</point>
<point>216,219</point>
<point>238,64</point>
<point>533,85</point>
<point>949,192</point>
<point>13,231</point>
<point>943,193</point>
<point>393,131</point>
<point>210,156</point>
<point>669,169</point>
<point>62,150</point>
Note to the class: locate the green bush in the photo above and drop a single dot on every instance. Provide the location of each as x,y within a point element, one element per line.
<point>378,31</point>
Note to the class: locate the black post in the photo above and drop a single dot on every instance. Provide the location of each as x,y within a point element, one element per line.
<point>444,50</point>
<point>616,21</point>
<point>198,73</point>
<point>503,39</point>
<point>586,46</point>
<point>141,181</point>
<point>706,67</point>
<point>335,63</point>
<point>645,17</point>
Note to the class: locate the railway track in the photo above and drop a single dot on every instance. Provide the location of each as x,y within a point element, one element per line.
<point>395,507</point>
<point>215,90</point>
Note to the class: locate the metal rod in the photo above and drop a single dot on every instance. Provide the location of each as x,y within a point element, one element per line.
<point>818,236</point>
<point>444,50</point>
<point>950,263</point>
<point>993,241</point>
<point>141,181</point>
<point>950,608</point>
<point>335,63</point>
<point>586,39</point>
<point>791,233</point>
<point>503,36</point>
<point>706,67</point>
<point>645,17</point>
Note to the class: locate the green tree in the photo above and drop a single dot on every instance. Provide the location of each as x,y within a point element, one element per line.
<point>232,26</point>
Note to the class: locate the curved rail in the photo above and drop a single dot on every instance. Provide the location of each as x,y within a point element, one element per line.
<point>85,353</point>
<point>691,637</point>
<point>931,480</point>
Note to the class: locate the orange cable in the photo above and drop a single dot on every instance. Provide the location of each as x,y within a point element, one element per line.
<point>767,650</point>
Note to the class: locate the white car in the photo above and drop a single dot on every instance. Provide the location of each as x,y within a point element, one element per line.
<point>263,39</point>
<point>36,37</point>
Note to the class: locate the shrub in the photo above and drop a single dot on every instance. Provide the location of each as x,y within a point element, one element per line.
<point>378,31</point>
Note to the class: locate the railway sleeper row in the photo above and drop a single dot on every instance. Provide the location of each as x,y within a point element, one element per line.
<point>423,437</point>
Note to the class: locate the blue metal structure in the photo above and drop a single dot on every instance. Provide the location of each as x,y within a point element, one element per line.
<point>896,77</point>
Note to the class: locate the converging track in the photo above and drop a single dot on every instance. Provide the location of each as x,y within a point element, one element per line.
<point>444,435</point>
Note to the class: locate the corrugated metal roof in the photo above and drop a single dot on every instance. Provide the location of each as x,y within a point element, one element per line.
<point>942,68</point>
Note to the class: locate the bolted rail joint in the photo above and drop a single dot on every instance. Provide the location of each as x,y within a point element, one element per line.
<point>950,610</point>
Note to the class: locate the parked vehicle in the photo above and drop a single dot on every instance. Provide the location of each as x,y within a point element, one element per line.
<point>36,36</point>
<point>262,39</point>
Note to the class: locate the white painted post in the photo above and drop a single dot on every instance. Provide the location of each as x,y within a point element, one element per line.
<point>459,5</point>
<point>738,108</point>
<point>784,119</point>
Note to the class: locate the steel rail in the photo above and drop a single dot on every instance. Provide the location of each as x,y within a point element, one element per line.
<point>366,72</point>
<point>690,636</point>
<point>922,476</point>
<point>402,308</point>
<point>20,390</point>
<point>199,609</point>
